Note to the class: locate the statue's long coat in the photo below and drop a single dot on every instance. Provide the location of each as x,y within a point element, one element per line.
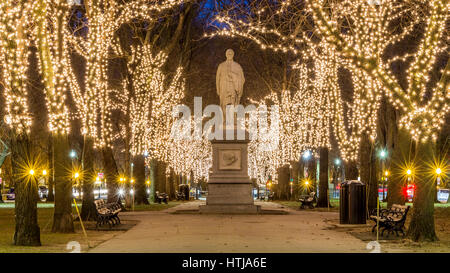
<point>229,82</point>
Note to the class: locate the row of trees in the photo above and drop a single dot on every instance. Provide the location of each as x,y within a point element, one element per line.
<point>69,53</point>
<point>379,76</point>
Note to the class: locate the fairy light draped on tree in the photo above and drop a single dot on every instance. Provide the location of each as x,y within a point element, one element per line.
<point>161,120</point>
<point>423,115</point>
<point>147,79</point>
<point>151,103</point>
<point>186,157</point>
<point>358,33</point>
<point>103,19</point>
<point>264,154</point>
<point>313,110</point>
<point>53,60</point>
<point>14,44</point>
<point>361,115</point>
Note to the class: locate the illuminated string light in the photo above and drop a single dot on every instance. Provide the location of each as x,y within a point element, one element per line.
<point>53,54</point>
<point>373,34</point>
<point>104,18</point>
<point>14,51</point>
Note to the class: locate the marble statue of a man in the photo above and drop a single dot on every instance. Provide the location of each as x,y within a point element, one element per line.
<point>229,81</point>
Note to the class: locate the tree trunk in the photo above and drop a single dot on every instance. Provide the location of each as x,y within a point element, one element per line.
<point>323,179</point>
<point>139,174</point>
<point>295,179</point>
<point>351,170</point>
<point>169,187</point>
<point>111,174</point>
<point>88,211</point>
<point>51,181</point>
<point>368,169</point>
<point>62,218</point>
<point>312,174</point>
<point>397,147</point>
<point>125,184</point>
<point>27,231</point>
<point>422,226</point>
<point>152,179</point>
<point>172,181</point>
<point>161,177</point>
<point>401,155</point>
<point>282,188</point>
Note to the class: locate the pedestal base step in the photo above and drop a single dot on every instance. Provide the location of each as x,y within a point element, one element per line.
<point>229,209</point>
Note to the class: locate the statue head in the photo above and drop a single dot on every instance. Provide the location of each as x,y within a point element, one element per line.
<point>230,54</point>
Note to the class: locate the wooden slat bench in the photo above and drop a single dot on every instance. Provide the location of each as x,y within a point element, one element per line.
<point>161,197</point>
<point>107,213</point>
<point>392,220</point>
<point>308,200</point>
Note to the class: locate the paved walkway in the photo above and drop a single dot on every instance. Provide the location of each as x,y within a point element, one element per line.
<point>298,231</point>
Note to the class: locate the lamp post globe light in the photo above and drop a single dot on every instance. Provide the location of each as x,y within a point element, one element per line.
<point>306,155</point>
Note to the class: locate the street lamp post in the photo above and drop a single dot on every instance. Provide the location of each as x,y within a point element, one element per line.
<point>132,193</point>
<point>2,188</point>
<point>383,156</point>
<point>438,182</point>
<point>337,163</point>
<point>307,186</point>
<point>386,173</point>
<point>76,175</point>
<point>409,174</point>
<point>268,185</point>
<point>290,180</point>
<point>99,183</point>
<point>306,156</point>
<point>44,174</point>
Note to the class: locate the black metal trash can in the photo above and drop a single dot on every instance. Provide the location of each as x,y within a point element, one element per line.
<point>184,188</point>
<point>352,202</point>
<point>343,203</point>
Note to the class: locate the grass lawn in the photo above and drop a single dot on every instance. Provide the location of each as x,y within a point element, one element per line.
<point>51,242</point>
<point>56,242</point>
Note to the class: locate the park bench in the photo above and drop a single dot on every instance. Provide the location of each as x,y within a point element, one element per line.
<point>161,197</point>
<point>307,200</point>
<point>107,213</point>
<point>392,220</point>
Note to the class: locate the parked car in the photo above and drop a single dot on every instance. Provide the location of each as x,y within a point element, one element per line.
<point>11,195</point>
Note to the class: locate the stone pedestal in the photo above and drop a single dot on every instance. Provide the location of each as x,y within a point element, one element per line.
<point>229,186</point>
